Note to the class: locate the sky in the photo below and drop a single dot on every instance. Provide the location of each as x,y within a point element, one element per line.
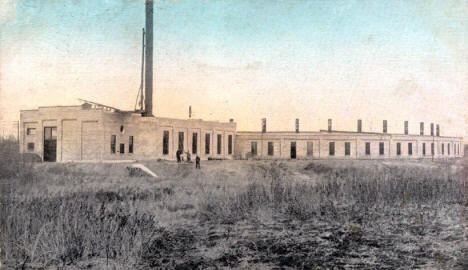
<point>246,60</point>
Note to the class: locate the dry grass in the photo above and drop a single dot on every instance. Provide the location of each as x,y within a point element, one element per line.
<point>234,214</point>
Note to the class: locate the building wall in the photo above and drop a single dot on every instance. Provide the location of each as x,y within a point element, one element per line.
<point>85,134</point>
<point>357,141</point>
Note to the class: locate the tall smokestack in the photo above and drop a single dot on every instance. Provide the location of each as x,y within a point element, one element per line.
<point>359,125</point>
<point>297,125</point>
<point>149,58</point>
<point>384,127</point>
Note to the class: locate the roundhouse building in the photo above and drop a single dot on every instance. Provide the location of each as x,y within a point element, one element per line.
<point>333,144</point>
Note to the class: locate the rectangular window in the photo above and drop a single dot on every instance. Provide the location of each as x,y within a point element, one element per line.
<point>113,142</point>
<point>270,149</point>
<point>130,144</point>
<point>253,148</point>
<point>122,148</point>
<point>398,149</point>
<point>207,143</point>
<point>448,149</point>
<point>367,148</point>
<point>424,149</point>
<point>310,149</point>
<point>432,148</point>
<point>219,143</point>
<point>31,147</point>
<point>194,143</point>
<point>347,148</point>
<point>50,133</point>
<point>229,144</point>
<point>31,131</point>
<point>410,149</point>
<point>381,148</point>
<point>443,149</point>
<point>331,148</point>
<point>181,141</point>
<point>165,142</point>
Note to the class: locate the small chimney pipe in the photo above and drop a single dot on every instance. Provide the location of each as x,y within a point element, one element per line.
<point>384,127</point>
<point>406,127</point>
<point>432,129</point>
<point>437,130</point>
<point>264,127</point>
<point>297,125</point>
<point>421,128</point>
<point>359,125</point>
<point>329,125</point>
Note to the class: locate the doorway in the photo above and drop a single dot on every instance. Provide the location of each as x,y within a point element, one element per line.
<point>50,144</point>
<point>293,150</point>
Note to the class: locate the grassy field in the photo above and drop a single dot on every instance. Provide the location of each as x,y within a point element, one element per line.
<point>234,214</point>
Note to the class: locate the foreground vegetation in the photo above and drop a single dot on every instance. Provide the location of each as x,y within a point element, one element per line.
<point>234,214</point>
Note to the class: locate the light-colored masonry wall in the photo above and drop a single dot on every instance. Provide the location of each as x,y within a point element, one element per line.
<point>319,145</point>
<point>85,134</point>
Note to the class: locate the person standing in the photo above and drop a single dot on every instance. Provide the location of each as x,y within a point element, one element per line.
<point>197,162</point>
<point>178,156</point>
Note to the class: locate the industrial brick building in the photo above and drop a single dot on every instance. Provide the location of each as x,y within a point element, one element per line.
<point>333,144</point>
<point>96,132</point>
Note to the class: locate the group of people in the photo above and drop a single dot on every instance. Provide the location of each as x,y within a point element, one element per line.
<point>180,158</point>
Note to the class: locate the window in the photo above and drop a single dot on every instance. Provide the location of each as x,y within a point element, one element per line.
<point>50,133</point>
<point>31,147</point>
<point>424,149</point>
<point>310,149</point>
<point>31,131</point>
<point>219,143</point>
<point>270,149</point>
<point>113,142</point>
<point>398,149</point>
<point>432,148</point>
<point>181,141</point>
<point>448,149</point>
<point>165,142</point>
<point>443,149</point>
<point>229,144</point>
<point>253,148</point>
<point>122,148</point>
<point>331,148</point>
<point>130,144</point>
<point>410,149</point>
<point>207,143</point>
<point>381,148</point>
<point>194,143</point>
<point>122,129</point>
<point>347,148</point>
<point>367,148</point>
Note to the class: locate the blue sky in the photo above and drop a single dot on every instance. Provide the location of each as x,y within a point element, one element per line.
<point>394,60</point>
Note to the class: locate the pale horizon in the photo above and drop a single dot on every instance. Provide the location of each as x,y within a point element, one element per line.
<point>246,60</point>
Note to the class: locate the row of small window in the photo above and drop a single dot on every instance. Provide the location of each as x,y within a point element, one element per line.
<point>180,145</point>
<point>331,149</point>
<point>122,145</point>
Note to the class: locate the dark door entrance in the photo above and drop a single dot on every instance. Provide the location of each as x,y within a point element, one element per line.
<point>293,150</point>
<point>50,144</point>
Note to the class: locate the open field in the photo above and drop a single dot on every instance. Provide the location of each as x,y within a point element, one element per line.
<point>235,214</point>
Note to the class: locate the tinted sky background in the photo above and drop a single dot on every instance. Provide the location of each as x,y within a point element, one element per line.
<point>313,60</point>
